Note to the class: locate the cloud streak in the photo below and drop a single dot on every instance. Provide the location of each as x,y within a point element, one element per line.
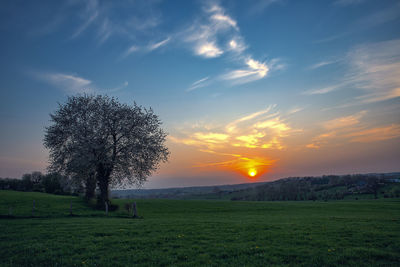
<point>198,84</point>
<point>145,49</point>
<point>90,14</point>
<point>158,45</point>
<point>240,140</point>
<point>255,70</point>
<point>350,129</point>
<point>72,83</point>
<point>322,64</point>
<point>262,129</point>
<point>373,70</point>
<point>69,83</point>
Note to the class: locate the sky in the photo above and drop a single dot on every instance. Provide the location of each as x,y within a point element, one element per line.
<point>248,91</point>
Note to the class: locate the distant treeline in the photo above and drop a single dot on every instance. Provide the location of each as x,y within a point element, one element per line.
<point>330,187</point>
<point>52,183</point>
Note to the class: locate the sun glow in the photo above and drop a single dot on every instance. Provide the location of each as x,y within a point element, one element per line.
<point>252,172</point>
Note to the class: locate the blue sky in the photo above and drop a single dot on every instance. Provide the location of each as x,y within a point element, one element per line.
<point>284,87</point>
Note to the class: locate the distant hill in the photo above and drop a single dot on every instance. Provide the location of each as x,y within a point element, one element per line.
<point>180,192</point>
<point>327,187</point>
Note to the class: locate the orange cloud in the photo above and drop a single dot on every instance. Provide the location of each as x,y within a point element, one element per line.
<point>376,134</point>
<point>243,165</point>
<point>241,139</point>
<point>344,121</point>
<point>349,129</point>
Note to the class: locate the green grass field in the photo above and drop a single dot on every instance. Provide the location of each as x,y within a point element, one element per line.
<point>199,233</point>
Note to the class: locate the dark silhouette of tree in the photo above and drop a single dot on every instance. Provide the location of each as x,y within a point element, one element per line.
<point>97,136</point>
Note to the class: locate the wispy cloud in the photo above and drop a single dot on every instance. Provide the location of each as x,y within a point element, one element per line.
<point>236,45</point>
<point>373,70</point>
<point>130,50</point>
<point>208,49</point>
<point>144,49</point>
<point>323,90</point>
<point>224,19</point>
<point>374,19</point>
<point>258,6</point>
<point>198,84</point>
<point>205,36</point>
<point>375,134</point>
<point>241,164</point>
<point>231,127</point>
<point>255,70</point>
<point>295,110</point>
<point>100,18</point>
<point>217,33</point>
<point>155,46</point>
<point>89,14</point>
<point>322,64</point>
<point>263,130</point>
<point>342,122</point>
<point>115,89</point>
<point>350,129</point>
<point>70,83</point>
<point>376,70</point>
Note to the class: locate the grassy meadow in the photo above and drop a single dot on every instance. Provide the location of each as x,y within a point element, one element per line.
<point>198,233</point>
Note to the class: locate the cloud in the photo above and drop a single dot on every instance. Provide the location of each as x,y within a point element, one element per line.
<point>70,83</point>
<point>373,71</point>
<point>236,45</point>
<point>90,13</point>
<point>350,129</point>
<point>375,134</point>
<point>367,22</point>
<point>376,70</point>
<point>260,5</point>
<point>323,90</point>
<point>106,19</point>
<point>294,110</point>
<point>158,45</point>
<point>344,121</point>
<point>322,64</point>
<point>208,50</point>
<point>144,49</point>
<point>234,142</point>
<point>230,127</point>
<point>215,26</point>
<point>210,137</point>
<point>255,70</point>
<point>225,19</point>
<point>241,164</point>
<point>336,128</point>
<point>216,34</point>
<point>130,50</point>
<point>261,129</point>
<point>198,84</point>
<point>115,89</point>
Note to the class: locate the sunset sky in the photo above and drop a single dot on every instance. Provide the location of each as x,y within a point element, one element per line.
<point>247,90</point>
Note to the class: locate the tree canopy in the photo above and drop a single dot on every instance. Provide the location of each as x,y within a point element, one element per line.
<point>97,138</point>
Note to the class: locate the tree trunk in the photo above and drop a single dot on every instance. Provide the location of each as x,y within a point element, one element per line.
<point>103,179</point>
<point>90,186</point>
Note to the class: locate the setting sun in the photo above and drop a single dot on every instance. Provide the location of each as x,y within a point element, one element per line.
<point>252,172</point>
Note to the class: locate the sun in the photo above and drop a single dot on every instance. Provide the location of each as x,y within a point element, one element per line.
<point>252,172</point>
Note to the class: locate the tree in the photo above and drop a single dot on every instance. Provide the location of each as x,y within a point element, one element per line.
<point>97,136</point>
